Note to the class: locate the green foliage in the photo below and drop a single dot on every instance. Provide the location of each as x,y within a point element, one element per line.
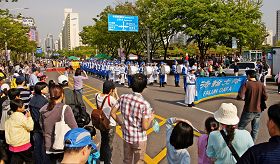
<point>15,35</point>
<point>207,23</point>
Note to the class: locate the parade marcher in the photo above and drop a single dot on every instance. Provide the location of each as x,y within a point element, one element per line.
<point>117,73</point>
<point>254,94</point>
<point>155,73</point>
<point>161,74</point>
<point>122,74</point>
<point>137,116</point>
<point>191,89</point>
<point>128,72</point>
<point>148,71</point>
<point>228,144</point>
<point>176,73</point>
<point>267,152</point>
<point>185,72</point>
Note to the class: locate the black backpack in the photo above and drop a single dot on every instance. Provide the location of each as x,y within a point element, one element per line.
<point>79,109</point>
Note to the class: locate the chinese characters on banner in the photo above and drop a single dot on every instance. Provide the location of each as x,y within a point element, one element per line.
<point>208,88</point>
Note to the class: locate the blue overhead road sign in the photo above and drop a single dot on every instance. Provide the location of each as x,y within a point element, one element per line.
<point>39,50</point>
<point>122,23</point>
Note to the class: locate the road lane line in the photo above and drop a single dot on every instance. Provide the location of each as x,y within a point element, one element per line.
<point>203,110</point>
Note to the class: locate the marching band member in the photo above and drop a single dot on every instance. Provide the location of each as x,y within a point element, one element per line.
<point>161,74</point>
<point>176,73</point>
<point>122,74</point>
<point>191,89</point>
<point>111,72</point>
<point>142,67</point>
<point>185,72</point>
<point>149,73</point>
<point>155,73</point>
<point>117,73</point>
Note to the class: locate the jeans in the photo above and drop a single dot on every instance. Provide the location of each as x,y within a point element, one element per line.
<point>39,151</point>
<point>254,118</point>
<point>106,147</point>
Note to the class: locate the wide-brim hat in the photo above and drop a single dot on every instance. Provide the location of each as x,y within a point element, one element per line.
<point>227,114</point>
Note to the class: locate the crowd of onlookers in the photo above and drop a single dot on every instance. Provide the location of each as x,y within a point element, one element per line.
<point>35,114</point>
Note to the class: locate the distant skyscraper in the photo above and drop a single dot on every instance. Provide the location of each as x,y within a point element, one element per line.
<point>277,25</point>
<point>49,43</point>
<point>70,31</point>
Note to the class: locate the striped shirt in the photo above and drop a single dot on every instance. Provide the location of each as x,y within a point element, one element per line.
<point>133,109</point>
<point>25,95</point>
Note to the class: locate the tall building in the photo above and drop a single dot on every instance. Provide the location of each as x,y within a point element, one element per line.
<point>269,39</point>
<point>277,25</point>
<point>70,30</point>
<point>30,23</point>
<point>49,43</point>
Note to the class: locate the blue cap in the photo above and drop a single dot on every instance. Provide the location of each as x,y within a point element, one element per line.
<point>128,62</point>
<point>161,63</point>
<point>78,138</point>
<point>20,79</point>
<point>142,63</point>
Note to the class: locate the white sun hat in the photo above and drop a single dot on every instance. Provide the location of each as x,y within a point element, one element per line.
<point>62,78</point>
<point>5,86</point>
<point>227,114</point>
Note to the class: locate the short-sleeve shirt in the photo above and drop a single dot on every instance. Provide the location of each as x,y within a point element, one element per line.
<point>133,109</point>
<point>78,82</point>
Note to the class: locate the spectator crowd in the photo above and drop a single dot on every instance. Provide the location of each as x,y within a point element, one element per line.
<point>47,123</point>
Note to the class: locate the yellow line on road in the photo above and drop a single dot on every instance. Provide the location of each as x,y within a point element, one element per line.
<point>90,94</point>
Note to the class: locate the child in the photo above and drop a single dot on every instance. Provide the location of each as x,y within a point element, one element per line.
<point>210,125</point>
<point>17,133</point>
<point>178,139</point>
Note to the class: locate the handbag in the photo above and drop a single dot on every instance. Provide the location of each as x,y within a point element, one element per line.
<point>231,148</point>
<point>61,128</point>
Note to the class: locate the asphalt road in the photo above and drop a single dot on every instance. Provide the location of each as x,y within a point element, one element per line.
<point>168,102</point>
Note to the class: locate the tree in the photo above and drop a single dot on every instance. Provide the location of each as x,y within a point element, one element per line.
<point>14,34</point>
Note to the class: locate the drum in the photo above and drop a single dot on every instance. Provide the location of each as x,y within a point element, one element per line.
<point>166,69</point>
<point>179,68</point>
<point>133,70</point>
<point>148,70</point>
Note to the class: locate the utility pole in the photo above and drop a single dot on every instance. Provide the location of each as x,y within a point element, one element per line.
<point>148,45</point>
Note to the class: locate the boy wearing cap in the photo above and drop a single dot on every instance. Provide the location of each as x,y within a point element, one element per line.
<point>78,146</point>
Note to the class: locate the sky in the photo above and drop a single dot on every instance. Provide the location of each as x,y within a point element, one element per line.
<point>48,14</point>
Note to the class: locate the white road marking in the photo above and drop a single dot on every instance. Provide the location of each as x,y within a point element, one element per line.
<point>203,110</point>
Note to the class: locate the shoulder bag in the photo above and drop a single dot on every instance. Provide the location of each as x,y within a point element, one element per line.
<point>61,128</point>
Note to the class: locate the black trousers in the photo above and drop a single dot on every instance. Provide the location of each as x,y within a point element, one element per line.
<point>22,157</point>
